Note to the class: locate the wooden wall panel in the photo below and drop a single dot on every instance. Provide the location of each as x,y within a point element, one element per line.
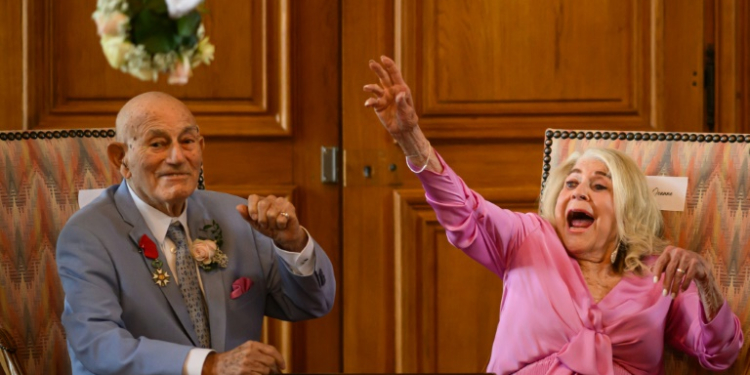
<point>245,90</point>
<point>447,305</point>
<point>516,68</point>
<point>11,65</point>
<point>744,53</point>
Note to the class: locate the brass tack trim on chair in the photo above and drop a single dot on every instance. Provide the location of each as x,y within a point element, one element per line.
<point>46,134</point>
<point>551,135</point>
<point>79,133</point>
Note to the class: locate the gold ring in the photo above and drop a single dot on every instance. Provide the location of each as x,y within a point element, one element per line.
<point>284,214</point>
<point>680,270</point>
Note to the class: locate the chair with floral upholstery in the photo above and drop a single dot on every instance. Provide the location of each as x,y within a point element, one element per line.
<point>716,216</point>
<point>41,173</point>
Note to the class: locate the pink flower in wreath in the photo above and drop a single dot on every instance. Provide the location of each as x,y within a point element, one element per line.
<point>203,251</point>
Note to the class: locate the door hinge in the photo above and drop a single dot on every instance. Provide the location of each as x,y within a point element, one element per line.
<point>709,85</point>
<point>329,165</point>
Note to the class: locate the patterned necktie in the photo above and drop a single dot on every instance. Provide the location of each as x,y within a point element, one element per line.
<point>191,290</point>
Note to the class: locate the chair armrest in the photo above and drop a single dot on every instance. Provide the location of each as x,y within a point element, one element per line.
<point>8,362</point>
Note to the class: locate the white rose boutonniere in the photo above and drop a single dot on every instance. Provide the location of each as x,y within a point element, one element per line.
<point>208,252</point>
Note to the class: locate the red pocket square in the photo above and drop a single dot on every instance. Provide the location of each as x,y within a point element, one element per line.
<point>240,286</point>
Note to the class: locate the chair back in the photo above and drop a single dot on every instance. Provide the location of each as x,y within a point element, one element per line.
<point>41,173</point>
<point>716,216</point>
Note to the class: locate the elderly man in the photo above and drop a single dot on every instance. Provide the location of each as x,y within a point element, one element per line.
<point>161,278</point>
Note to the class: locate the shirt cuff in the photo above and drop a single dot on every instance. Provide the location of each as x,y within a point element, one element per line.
<point>194,361</point>
<point>302,263</point>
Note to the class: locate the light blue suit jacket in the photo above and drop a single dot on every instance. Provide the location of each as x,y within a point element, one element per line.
<point>118,321</point>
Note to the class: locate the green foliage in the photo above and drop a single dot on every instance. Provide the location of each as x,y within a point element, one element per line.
<point>151,26</point>
<point>215,232</point>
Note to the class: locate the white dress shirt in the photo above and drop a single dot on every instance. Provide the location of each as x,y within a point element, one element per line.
<point>302,263</point>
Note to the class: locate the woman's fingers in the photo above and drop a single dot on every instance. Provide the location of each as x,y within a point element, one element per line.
<point>690,271</point>
<point>680,268</point>
<point>385,79</point>
<point>669,274</point>
<point>680,276</point>
<point>393,71</point>
<point>660,264</point>
<point>374,89</point>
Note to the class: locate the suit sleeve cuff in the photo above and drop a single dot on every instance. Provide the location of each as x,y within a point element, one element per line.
<point>194,361</point>
<point>302,263</point>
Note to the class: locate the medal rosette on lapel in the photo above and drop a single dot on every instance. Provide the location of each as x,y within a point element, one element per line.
<point>160,277</point>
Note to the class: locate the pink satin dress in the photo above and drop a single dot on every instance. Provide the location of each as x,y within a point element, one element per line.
<point>549,323</point>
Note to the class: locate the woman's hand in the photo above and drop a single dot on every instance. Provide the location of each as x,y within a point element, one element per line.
<point>392,102</point>
<point>681,267</point>
<point>391,99</point>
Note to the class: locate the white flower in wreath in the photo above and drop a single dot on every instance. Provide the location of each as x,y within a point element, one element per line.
<point>179,8</point>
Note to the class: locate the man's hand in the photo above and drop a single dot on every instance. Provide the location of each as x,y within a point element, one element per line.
<point>252,357</point>
<point>276,218</point>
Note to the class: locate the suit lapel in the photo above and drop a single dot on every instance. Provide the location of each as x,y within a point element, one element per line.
<point>132,216</point>
<point>213,284</point>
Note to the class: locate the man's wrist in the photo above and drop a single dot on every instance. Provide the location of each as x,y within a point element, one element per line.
<point>208,365</point>
<point>296,245</point>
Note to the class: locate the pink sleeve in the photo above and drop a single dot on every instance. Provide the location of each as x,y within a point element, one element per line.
<point>716,344</point>
<point>488,234</point>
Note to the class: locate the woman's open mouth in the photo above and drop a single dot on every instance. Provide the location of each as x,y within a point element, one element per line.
<point>579,219</point>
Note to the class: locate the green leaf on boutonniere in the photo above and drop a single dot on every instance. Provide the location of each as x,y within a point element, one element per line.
<point>215,232</point>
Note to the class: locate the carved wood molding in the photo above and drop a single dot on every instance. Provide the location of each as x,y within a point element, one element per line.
<point>416,237</point>
<point>259,104</point>
<point>426,52</point>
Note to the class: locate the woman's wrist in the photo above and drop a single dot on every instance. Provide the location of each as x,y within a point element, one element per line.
<point>710,295</point>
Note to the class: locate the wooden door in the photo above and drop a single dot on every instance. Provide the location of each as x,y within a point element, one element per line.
<point>266,105</point>
<point>488,77</point>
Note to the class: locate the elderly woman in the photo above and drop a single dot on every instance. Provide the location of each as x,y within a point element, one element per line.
<point>586,290</point>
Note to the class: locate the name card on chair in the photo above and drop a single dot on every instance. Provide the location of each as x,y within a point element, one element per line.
<point>669,191</point>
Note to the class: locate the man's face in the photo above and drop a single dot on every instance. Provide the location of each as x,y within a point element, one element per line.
<point>164,156</point>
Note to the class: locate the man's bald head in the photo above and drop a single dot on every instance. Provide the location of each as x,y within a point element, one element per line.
<point>142,109</point>
<point>159,150</point>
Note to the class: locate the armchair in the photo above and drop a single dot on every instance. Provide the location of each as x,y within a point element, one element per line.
<point>716,216</point>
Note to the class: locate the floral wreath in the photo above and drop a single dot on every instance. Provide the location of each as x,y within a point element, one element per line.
<point>146,37</point>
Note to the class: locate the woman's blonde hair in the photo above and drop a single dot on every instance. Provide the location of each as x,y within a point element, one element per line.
<point>640,225</point>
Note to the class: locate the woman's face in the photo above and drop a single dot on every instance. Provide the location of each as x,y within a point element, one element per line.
<point>585,211</point>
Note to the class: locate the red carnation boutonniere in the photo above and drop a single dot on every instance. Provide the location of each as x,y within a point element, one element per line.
<point>160,277</point>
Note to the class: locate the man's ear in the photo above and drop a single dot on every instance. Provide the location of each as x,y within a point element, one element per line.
<point>116,153</point>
